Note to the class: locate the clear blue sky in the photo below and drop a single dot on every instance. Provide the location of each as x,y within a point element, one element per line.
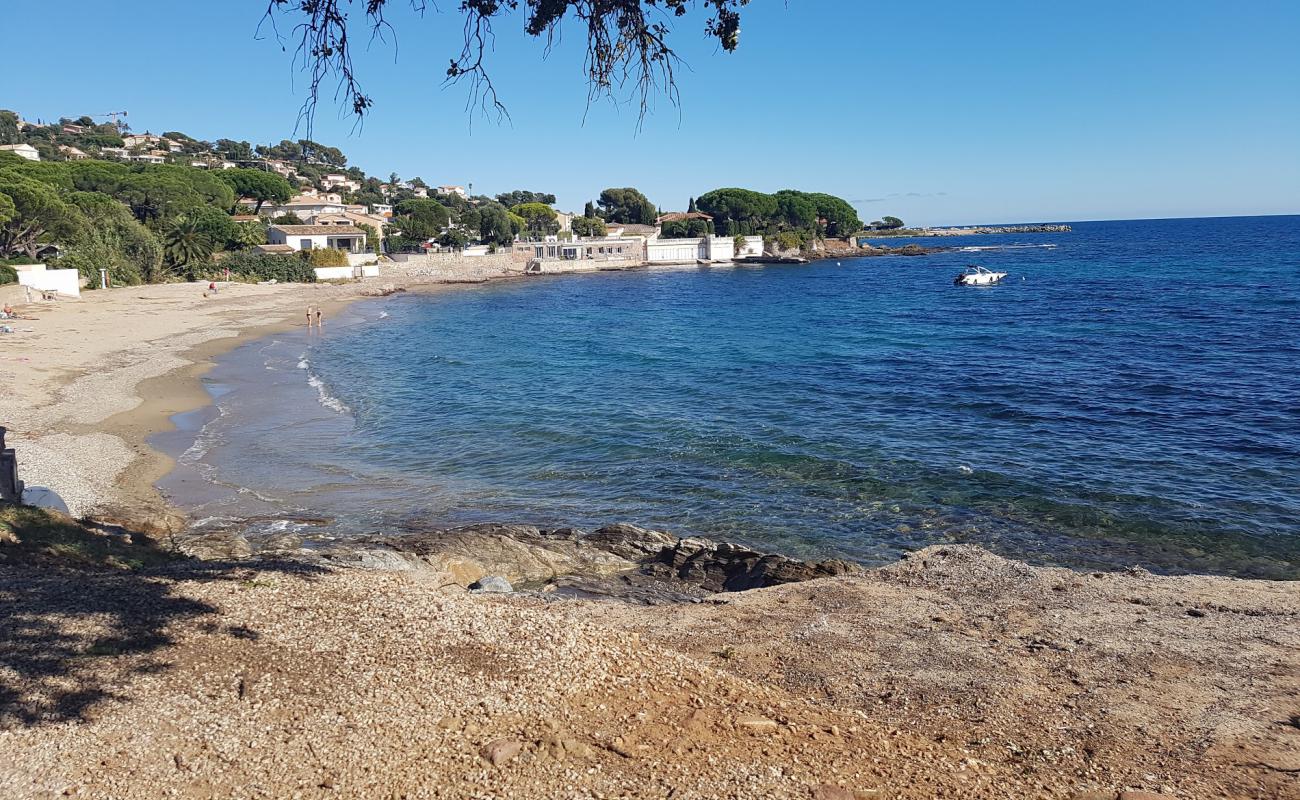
<point>937,112</point>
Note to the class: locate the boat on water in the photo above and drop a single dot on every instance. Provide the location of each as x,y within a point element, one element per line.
<point>976,275</point>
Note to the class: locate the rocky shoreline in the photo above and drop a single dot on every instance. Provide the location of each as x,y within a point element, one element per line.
<point>620,561</point>
<point>973,230</point>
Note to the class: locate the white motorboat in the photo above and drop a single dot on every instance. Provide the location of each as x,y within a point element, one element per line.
<point>978,276</point>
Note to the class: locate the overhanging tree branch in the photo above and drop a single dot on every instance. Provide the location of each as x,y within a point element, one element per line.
<point>627,44</point>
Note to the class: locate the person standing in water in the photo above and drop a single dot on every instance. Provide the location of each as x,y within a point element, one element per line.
<point>318,319</point>
<point>309,317</point>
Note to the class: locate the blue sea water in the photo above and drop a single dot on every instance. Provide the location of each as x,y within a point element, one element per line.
<point>1129,395</point>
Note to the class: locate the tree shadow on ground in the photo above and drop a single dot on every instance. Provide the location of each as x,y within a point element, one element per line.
<point>74,600</point>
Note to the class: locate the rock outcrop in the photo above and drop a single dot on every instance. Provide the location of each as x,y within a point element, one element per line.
<point>625,561</point>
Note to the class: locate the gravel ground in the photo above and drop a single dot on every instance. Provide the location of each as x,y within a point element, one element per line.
<point>1179,686</point>
<point>956,674</point>
<point>267,683</point>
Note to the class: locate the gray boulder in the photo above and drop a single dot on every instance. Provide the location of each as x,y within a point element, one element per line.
<point>491,583</point>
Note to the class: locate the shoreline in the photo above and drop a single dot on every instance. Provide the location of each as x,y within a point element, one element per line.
<point>100,404</point>
<point>60,419</point>
<point>951,673</point>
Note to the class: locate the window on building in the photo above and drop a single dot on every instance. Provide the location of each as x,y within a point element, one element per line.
<point>304,244</point>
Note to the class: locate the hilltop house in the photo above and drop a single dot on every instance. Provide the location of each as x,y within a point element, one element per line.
<point>456,190</point>
<point>133,140</point>
<point>280,167</point>
<point>296,238</point>
<point>337,181</point>
<point>115,152</point>
<point>306,205</point>
<point>152,157</point>
<point>71,153</point>
<point>22,151</point>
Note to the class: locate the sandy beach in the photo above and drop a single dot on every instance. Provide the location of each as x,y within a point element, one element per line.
<point>954,673</point>
<point>88,380</point>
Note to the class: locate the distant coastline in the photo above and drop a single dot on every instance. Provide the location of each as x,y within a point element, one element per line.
<point>967,230</point>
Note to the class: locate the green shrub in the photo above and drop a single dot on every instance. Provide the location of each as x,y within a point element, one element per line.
<point>327,257</point>
<point>251,266</point>
<point>788,240</point>
<point>8,274</point>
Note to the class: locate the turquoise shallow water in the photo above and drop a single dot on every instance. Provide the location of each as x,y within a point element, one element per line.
<point>1129,395</point>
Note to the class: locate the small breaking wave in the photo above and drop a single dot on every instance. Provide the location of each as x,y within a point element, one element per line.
<point>326,399</point>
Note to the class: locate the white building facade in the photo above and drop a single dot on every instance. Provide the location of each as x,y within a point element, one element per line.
<point>297,238</point>
<point>22,151</point>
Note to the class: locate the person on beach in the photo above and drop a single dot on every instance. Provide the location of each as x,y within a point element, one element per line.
<point>212,286</point>
<point>318,319</point>
<point>309,317</point>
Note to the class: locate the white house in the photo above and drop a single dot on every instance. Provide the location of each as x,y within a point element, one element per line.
<point>703,248</point>
<point>615,249</point>
<point>304,206</point>
<point>347,238</point>
<point>22,151</point>
<point>460,190</point>
<point>281,167</point>
<point>141,140</point>
<point>115,152</point>
<point>337,180</point>
<point>381,210</point>
<point>154,157</point>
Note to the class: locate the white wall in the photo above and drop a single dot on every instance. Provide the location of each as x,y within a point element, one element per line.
<point>66,282</point>
<point>346,273</point>
<point>714,248</point>
<point>722,248</point>
<point>319,241</point>
<point>753,247</point>
<point>333,273</point>
<point>676,251</point>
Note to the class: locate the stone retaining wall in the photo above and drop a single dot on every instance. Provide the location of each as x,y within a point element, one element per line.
<point>453,267</point>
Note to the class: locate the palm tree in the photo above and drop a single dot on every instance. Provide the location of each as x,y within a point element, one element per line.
<point>185,244</point>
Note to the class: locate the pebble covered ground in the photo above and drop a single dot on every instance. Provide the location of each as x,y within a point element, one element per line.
<point>946,678</point>
<point>264,683</point>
